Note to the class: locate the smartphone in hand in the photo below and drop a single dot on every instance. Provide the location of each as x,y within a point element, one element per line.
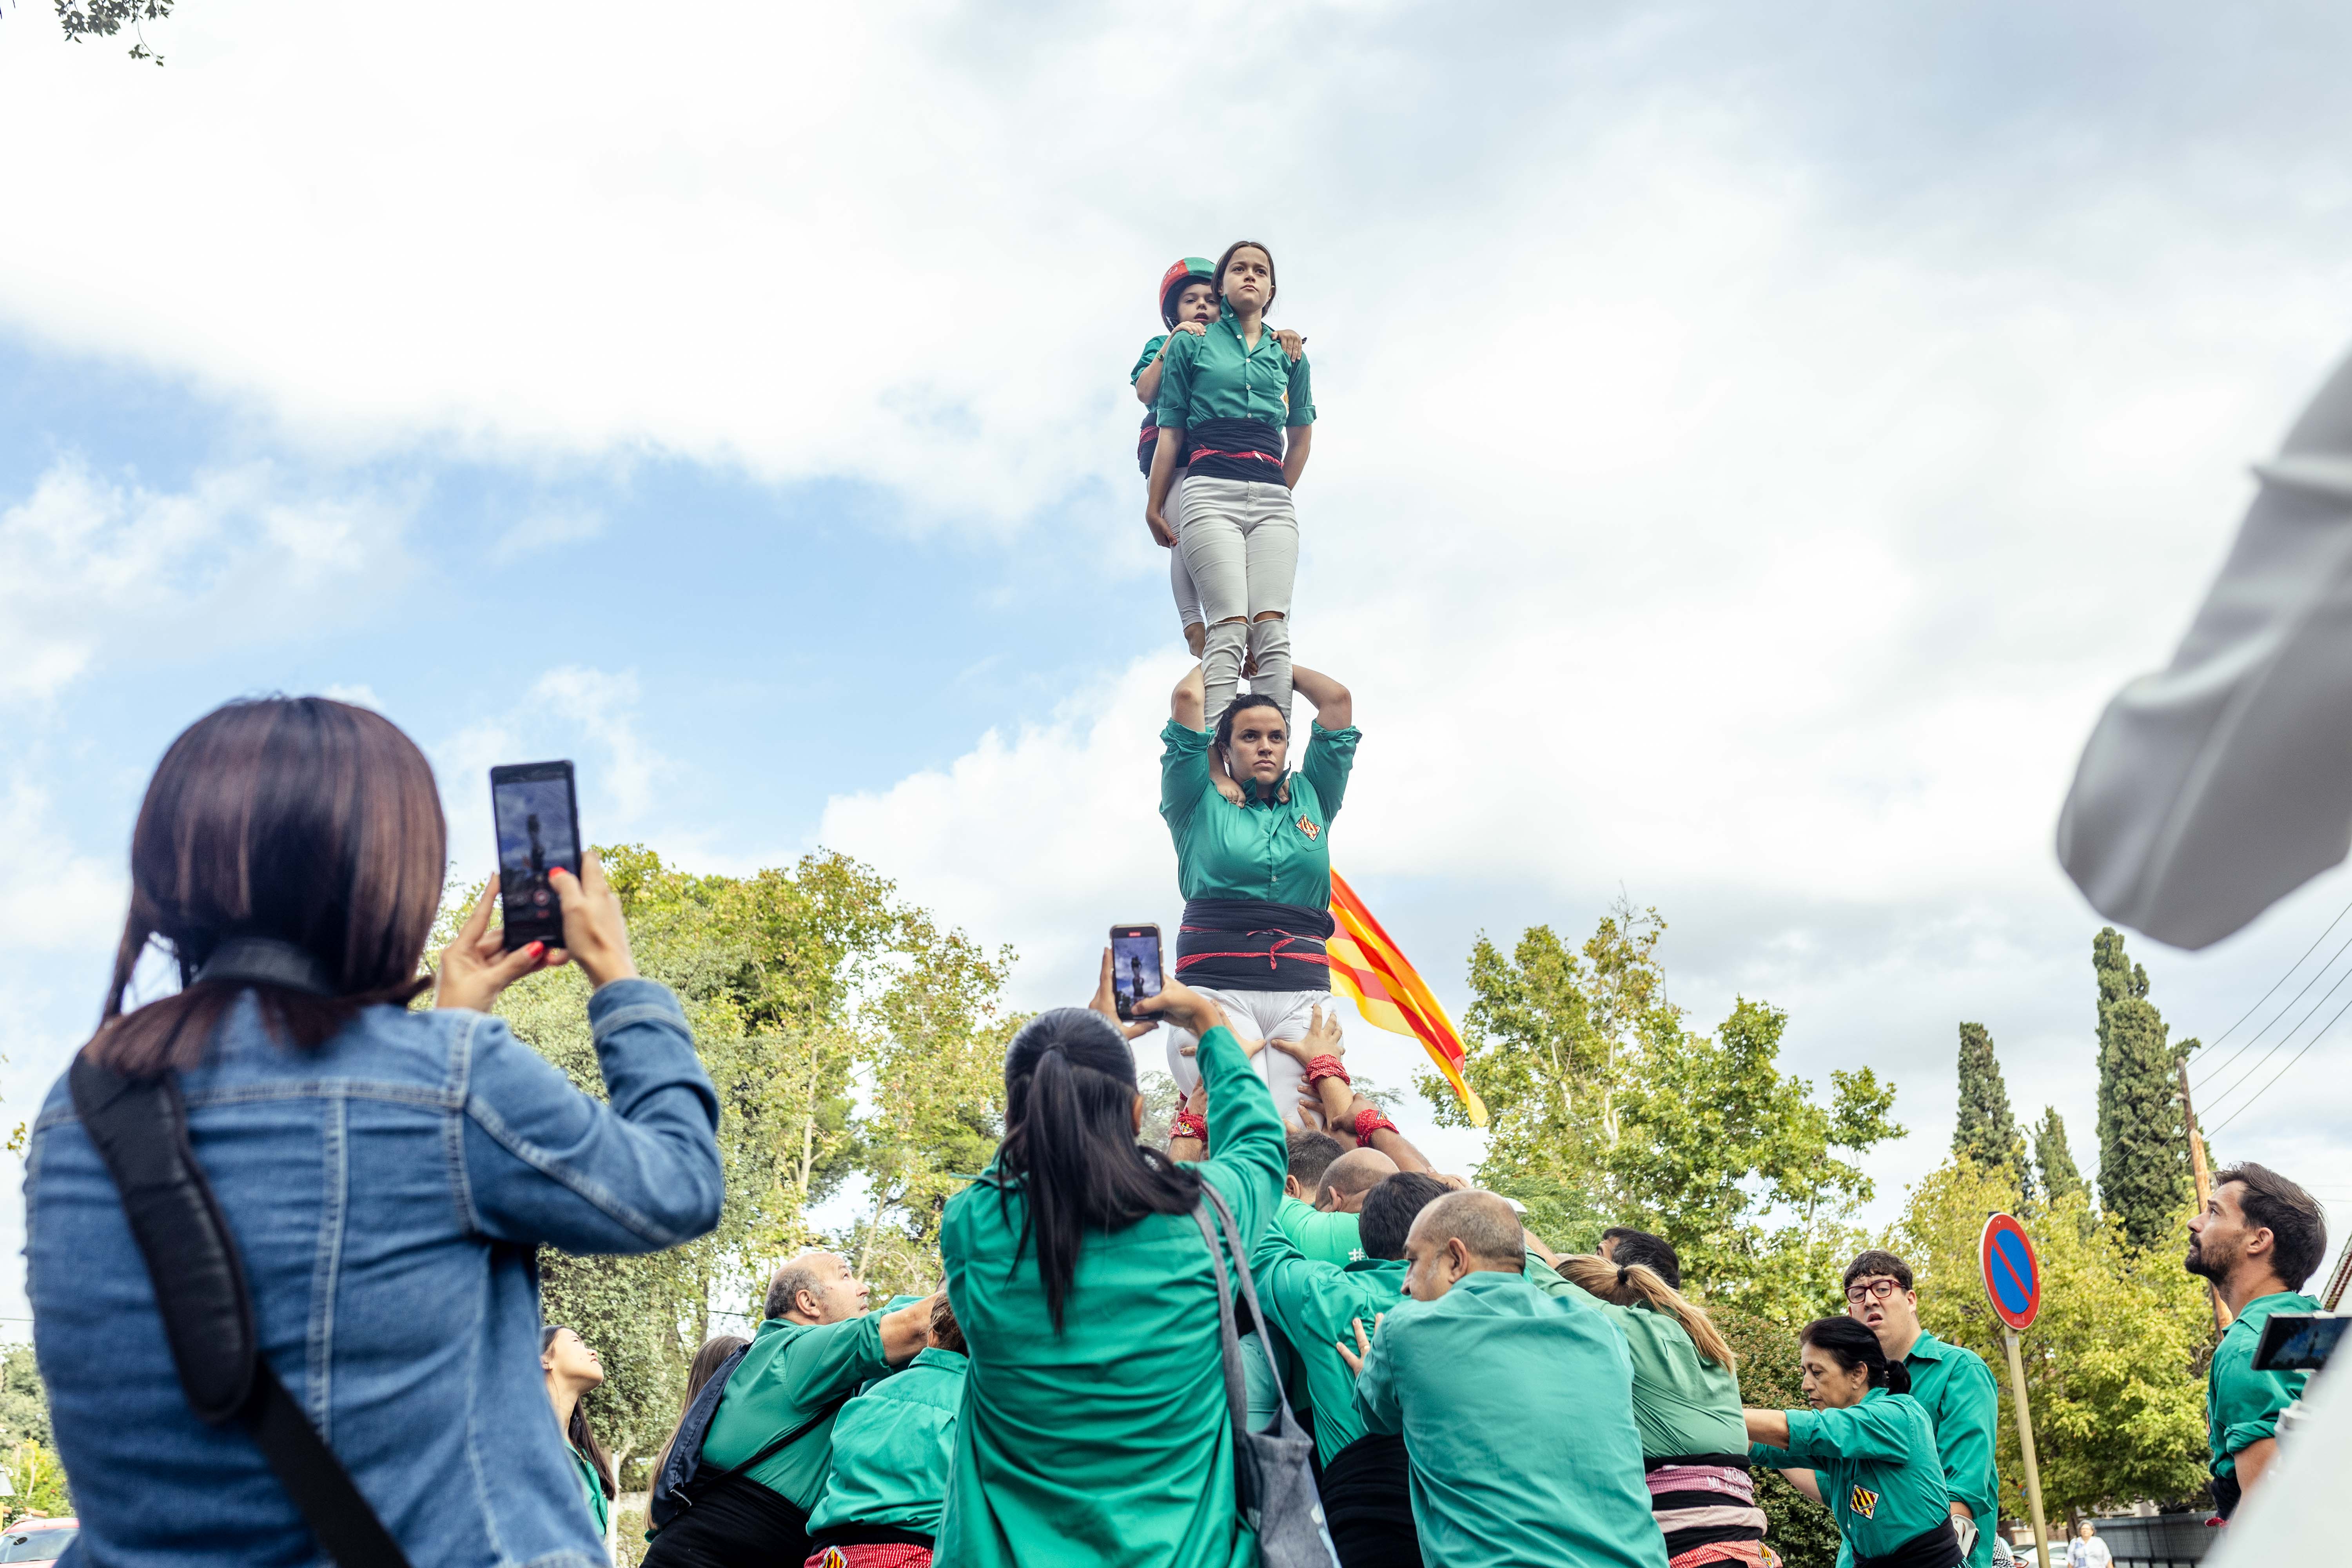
<point>537,818</point>
<point>1134,967</point>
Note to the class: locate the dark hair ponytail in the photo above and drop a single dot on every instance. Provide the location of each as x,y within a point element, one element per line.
<point>1851,1345</point>
<point>1069,1141</point>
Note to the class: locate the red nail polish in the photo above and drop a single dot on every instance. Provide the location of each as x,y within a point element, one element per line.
<point>537,948</point>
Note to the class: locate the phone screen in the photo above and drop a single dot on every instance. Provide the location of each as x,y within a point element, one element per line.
<point>1134,965</point>
<point>539,830</point>
<point>2298,1341</point>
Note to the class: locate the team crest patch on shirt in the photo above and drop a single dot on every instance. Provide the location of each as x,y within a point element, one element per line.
<point>1863,1502</point>
<point>1307,825</point>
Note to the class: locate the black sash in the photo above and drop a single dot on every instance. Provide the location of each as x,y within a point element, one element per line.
<point>1368,1504</point>
<point>1252,944</point>
<point>1233,449</point>
<point>1935,1547</point>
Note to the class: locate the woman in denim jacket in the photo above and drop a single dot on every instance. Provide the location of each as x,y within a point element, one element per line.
<point>387,1173</point>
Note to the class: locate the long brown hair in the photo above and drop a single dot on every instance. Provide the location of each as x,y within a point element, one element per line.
<point>297,818</point>
<point>577,1432</point>
<point>706,1364</point>
<point>1639,1284</point>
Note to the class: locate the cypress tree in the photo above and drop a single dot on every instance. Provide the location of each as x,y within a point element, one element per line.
<point>2060,1176</point>
<point>1987,1131</point>
<point>2144,1177</point>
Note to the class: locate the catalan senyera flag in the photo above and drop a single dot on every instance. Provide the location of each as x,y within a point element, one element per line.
<point>1368,966</point>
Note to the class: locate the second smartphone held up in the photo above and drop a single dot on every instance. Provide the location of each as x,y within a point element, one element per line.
<point>537,818</point>
<point>1134,967</point>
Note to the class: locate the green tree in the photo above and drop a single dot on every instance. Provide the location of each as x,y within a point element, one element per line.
<point>2114,1364</point>
<point>801,986</point>
<point>2055,1158</point>
<point>1986,1129</point>
<point>1605,1109</point>
<point>24,1398</point>
<point>37,1482</point>
<point>2143,1174</point>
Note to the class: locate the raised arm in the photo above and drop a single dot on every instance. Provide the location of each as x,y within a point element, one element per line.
<point>1335,706</point>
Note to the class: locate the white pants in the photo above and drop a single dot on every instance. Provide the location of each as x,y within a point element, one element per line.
<point>1180,574</point>
<point>1255,1015</point>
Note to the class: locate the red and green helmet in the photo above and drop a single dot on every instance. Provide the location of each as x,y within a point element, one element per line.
<point>1190,271</point>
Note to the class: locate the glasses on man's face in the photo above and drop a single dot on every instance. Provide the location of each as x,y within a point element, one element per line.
<point>1868,1290</point>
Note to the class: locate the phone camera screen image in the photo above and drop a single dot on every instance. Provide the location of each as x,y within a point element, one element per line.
<point>539,830</point>
<point>1134,967</point>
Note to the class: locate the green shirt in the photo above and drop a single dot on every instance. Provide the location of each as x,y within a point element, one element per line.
<point>2243,1405</point>
<point>1214,376</point>
<point>1270,849</point>
<point>891,1449</point>
<point>1878,1468</point>
<point>792,1372</point>
<point>1483,1383</point>
<point>1334,1239</point>
<point>1954,1386</point>
<point>1143,360</point>
<point>599,1504</point>
<point>1311,1301</point>
<point>1683,1405</point>
<point>1110,1442</point>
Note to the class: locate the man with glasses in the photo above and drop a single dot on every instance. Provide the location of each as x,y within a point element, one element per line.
<point>1952,1382</point>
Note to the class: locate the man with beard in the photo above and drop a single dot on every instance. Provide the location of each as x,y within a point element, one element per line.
<point>2258,1240</point>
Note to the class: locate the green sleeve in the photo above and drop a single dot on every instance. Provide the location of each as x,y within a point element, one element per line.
<point>827,1362</point>
<point>1245,1136</point>
<point>2249,1401</point>
<point>1330,758</point>
<point>1183,775</point>
<point>1964,1436</point>
<point>1176,382</point>
<point>1376,1399</point>
<point>1856,1432</point>
<point>1302,395</point>
<point>1143,360</point>
<point>1258,1382</point>
<point>1277,1246</point>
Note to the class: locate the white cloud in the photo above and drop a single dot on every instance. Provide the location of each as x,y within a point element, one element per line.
<point>94,570</point>
<point>545,532</point>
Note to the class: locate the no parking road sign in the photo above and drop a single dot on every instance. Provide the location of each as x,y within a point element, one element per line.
<point>2013,1276</point>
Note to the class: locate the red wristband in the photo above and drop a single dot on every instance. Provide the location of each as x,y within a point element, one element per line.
<point>1190,1124</point>
<point>1323,1067</point>
<point>1370,1120</point>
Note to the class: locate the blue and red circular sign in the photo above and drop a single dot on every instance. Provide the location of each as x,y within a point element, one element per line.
<point>2012,1276</point>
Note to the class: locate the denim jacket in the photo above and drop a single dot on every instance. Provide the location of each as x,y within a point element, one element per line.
<point>387,1193</point>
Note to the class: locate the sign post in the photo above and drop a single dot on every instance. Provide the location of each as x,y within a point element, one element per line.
<point>2012,1282</point>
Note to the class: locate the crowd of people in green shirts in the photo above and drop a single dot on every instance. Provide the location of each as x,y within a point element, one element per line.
<point>1464,1397</point>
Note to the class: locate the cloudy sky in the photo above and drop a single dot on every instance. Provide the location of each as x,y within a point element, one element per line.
<point>1755,441</point>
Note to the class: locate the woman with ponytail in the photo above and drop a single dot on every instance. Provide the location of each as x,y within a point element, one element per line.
<point>1685,1406</point>
<point>385,1174</point>
<point>1095,1426</point>
<point>1871,1445</point>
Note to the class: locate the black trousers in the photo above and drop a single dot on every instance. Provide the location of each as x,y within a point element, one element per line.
<point>1367,1505</point>
<point>735,1522</point>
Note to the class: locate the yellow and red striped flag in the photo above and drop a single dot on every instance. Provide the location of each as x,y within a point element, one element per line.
<point>1367,966</point>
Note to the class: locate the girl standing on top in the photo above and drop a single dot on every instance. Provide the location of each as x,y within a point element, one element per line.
<point>1187,303</point>
<point>1229,395</point>
<point>1871,1447</point>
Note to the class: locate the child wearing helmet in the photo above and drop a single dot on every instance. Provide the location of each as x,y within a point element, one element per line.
<point>1188,302</point>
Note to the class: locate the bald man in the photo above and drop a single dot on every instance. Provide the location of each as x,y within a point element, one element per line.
<point>1330,1230</point>
<point>1479,1351</point>
<point>770,1447</point>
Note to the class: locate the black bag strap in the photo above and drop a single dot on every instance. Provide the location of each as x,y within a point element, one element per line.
<point>780,1444</point>
<point>140,1129</point>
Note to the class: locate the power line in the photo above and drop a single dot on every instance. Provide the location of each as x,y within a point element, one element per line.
<point>2282,980</point>
<point>2212,1072</point>
<point>2256,1066</point>
<point>2281,1072</point>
